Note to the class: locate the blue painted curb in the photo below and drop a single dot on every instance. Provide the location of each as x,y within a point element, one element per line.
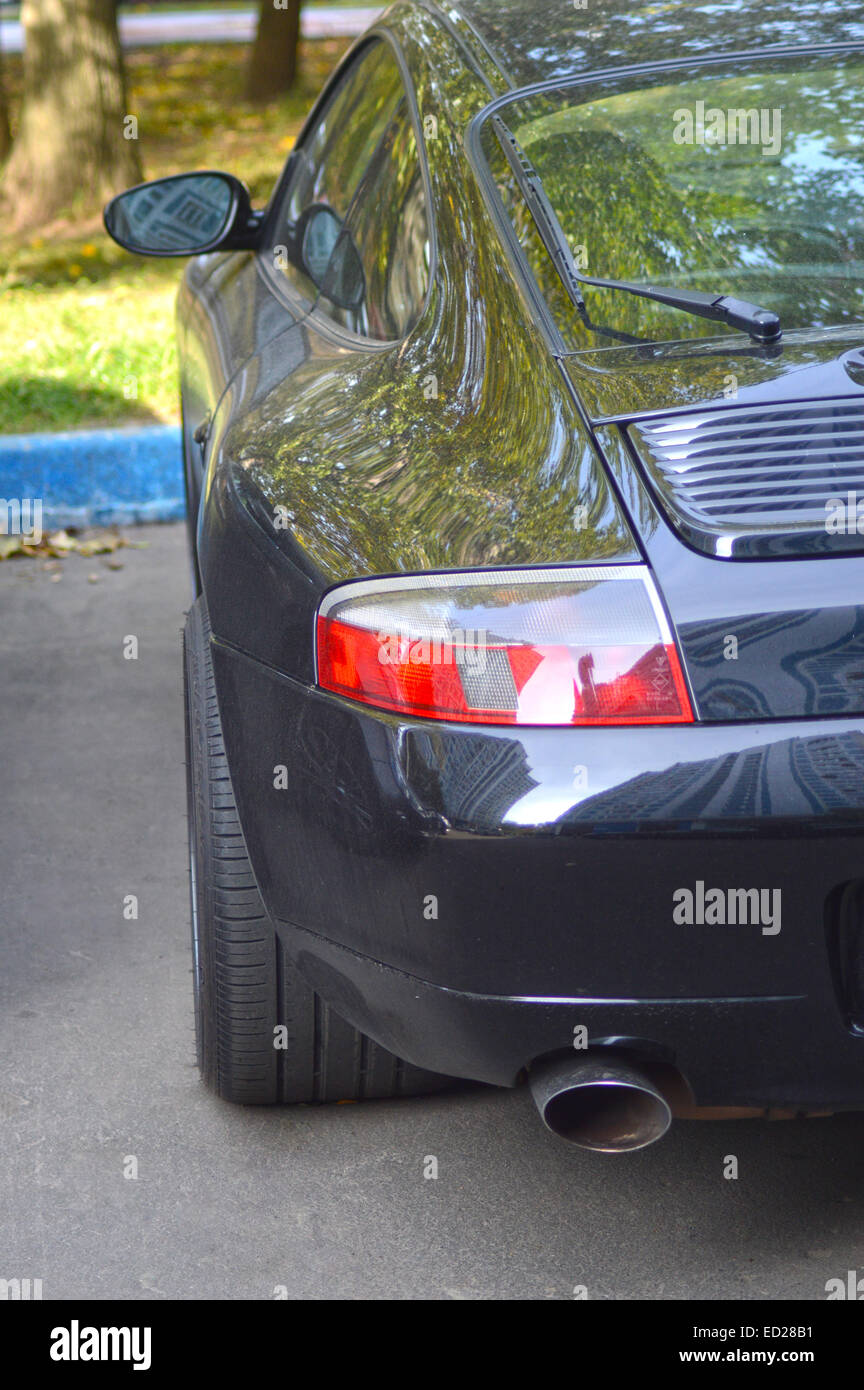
<point>96,477</point>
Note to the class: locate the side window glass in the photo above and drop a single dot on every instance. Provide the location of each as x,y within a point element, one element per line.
<point>352,230</point>
<point>388,226</point>
<point>334,155</point>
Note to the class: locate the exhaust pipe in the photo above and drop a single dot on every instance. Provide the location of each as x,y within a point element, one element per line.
<point>599,1103</point>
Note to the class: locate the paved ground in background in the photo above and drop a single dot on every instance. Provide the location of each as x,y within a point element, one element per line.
<point>96,1057</point>
<point>213,26</point>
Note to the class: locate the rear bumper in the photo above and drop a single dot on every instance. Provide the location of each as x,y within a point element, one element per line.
<point>469,897</point>
<point>750,1052</point>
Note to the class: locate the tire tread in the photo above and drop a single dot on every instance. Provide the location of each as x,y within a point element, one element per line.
<point>248,985</point>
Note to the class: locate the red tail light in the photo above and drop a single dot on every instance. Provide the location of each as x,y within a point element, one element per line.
<point>575,645</point>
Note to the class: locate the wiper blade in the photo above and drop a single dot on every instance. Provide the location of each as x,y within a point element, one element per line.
<point>762,324</point>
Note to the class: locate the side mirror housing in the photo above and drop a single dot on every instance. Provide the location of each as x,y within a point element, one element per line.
<point>185,215</point>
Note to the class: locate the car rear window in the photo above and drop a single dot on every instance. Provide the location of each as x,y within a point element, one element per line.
<point>743,179</point>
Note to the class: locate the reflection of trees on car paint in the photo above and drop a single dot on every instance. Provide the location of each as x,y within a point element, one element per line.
<point>490,467</point>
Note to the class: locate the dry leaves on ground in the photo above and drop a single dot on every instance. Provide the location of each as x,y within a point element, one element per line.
<point>58,544</point>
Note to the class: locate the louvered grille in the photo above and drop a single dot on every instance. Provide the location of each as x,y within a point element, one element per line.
<point>768,469</point>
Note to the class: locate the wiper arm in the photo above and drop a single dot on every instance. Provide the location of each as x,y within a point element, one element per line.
<point>762,324</point>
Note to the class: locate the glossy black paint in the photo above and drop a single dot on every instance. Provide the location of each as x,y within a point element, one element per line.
<point>555,903</point>
<point>553,853</point>
<point>622,383</point>
<point>798,627</point>
<point>531,43</point>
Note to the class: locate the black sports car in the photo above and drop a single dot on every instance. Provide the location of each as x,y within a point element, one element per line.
<point>524,447</point>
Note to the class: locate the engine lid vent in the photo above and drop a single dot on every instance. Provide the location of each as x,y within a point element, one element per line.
<point>745,481</point>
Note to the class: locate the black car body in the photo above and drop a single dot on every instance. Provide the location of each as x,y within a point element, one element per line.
<point>473,895</point>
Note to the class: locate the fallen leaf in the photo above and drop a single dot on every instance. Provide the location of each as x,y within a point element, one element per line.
<point>61,540</point>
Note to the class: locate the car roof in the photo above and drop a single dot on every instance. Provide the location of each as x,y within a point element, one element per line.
<point>534,40</point>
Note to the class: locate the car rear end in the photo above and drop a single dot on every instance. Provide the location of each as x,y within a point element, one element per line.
<point>556,813</point>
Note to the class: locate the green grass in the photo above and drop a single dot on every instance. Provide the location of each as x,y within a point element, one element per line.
<point>87,331</point>
<point>94,353</point>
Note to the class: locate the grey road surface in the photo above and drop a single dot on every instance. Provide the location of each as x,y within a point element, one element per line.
<point>213,26</point>
<point>97,1078</point>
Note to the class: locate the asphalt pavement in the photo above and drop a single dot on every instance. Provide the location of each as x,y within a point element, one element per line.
<point>98,1083</point>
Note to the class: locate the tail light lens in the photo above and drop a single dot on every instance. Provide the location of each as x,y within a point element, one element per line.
<point>575,645</point>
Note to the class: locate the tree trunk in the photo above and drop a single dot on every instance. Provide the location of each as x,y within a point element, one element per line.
<point>273,64</point>
<point>72,143</point>
<point>5,133</point>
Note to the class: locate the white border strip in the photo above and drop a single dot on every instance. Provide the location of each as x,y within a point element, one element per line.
<point>561,574</point>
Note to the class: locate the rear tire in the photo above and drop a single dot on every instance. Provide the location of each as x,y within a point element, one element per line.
<point>245,986</point>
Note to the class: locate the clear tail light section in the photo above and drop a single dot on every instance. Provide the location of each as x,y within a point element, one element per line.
<point>570,645</point>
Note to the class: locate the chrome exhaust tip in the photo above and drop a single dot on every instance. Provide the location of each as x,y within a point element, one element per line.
<point>599,1104</point>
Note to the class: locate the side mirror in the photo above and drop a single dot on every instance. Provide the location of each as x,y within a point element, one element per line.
<point>184,215</point>
<point>329,256</point>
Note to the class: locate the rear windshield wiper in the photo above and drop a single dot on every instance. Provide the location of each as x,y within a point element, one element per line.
<point>762,324</point>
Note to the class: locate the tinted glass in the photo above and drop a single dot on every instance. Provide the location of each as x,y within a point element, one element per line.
<point>332,159</point>
<point>361,161</point>
<point>748,183</point>
<point>389,226</point>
